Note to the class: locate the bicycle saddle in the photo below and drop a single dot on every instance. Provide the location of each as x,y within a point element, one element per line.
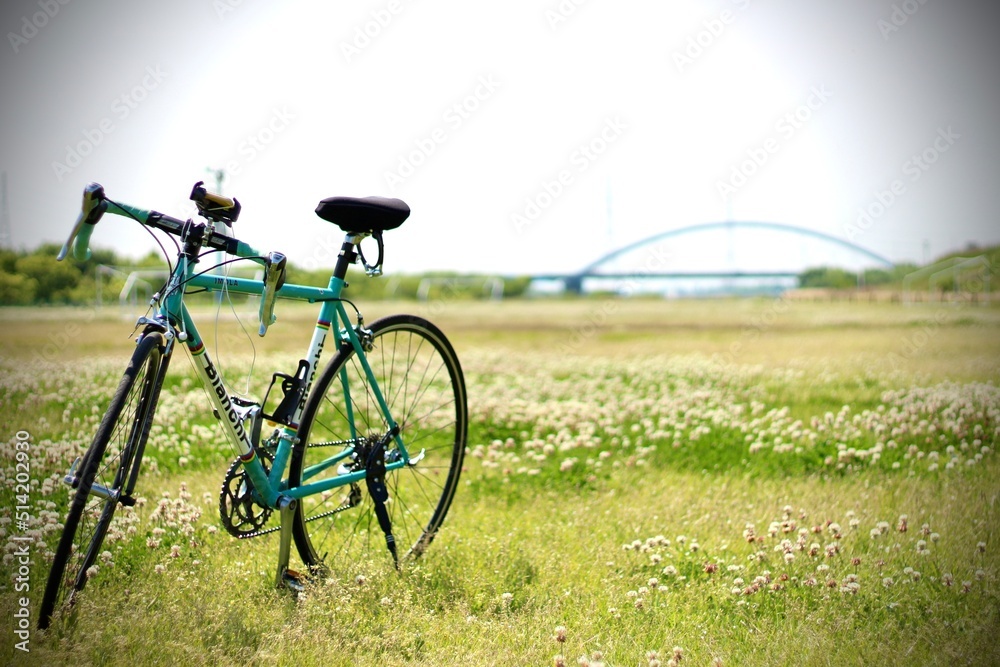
<point>363,214</point>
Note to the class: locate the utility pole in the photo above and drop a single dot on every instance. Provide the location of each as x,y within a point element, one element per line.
<point>219,175</point>
<point>5,235</point>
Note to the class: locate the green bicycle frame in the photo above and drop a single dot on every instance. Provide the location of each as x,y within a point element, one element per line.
<point>333,316</point>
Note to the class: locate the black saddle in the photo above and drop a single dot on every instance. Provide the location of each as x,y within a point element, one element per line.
<point>366,215</point>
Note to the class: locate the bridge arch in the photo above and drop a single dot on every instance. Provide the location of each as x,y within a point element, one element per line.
<point>708,226</point>
<point>574,282</point>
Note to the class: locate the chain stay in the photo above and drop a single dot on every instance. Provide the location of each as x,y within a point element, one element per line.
<point>352,500</point>
<point>232,474</point>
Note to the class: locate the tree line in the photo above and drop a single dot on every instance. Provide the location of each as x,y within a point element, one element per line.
<point>36,278</point>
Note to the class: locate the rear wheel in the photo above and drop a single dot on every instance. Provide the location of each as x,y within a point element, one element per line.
<point>420,378</point>
<point>105,478</point>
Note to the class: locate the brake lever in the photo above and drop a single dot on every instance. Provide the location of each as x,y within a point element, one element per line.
<point>274,279</point>
<point>72,237</point>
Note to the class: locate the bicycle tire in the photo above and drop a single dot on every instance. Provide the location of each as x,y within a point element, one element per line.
<point>125,427</point>
<point>421,379</point>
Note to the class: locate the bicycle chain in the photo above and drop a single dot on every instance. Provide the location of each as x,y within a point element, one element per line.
<point>237,508</point>
<point>353,499</point>
<point>261,517</point>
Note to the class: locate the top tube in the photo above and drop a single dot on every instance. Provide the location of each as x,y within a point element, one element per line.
<point>308,293</point>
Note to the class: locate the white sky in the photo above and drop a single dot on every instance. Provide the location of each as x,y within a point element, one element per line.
<point>333,123</point>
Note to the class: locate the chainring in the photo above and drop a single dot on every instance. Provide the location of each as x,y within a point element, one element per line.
<point>241,515</point>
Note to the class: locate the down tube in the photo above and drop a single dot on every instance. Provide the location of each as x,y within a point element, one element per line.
<point>231,422</point>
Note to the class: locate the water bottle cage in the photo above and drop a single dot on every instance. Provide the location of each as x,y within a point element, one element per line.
<point>292,389</point>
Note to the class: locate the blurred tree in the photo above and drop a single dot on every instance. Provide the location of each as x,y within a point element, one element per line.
<point>55,280</point>
<point>825,276</point>
<point>17,289</point>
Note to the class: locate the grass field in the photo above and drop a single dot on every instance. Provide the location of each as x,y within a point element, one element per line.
<point>751,482</point>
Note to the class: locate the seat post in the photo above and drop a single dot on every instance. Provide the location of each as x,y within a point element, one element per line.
<point>348,255</point>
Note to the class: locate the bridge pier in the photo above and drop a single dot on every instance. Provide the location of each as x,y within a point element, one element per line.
<point>573,284</point>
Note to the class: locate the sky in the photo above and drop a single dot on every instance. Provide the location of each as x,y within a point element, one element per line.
<point>527,137</point>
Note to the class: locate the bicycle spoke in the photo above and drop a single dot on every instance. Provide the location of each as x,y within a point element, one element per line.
<point>108,465</point>
<point>421,382</point>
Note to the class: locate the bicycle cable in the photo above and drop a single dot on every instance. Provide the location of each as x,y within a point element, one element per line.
<point>190,360</point>
<point>177,247</point>
<point>224,294</point>
<point>357,312</point>
<point>184,282</point>
<point>166,255</point>
<point>208,399</point>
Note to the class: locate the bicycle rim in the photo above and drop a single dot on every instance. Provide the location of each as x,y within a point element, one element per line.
<point>421,380</point>
<point>114,453</point>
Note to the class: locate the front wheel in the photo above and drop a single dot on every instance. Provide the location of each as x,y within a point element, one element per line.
<point>105,478</point>
<point>419,376</point>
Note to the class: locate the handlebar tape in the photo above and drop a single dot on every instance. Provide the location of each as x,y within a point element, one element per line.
<point>81,246</point>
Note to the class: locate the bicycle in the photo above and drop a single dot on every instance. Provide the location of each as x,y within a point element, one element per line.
<point>385,422</point>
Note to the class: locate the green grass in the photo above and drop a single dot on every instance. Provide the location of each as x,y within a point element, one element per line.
<point>681,442</point>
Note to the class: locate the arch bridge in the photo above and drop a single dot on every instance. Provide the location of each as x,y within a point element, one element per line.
<point>574,281</point>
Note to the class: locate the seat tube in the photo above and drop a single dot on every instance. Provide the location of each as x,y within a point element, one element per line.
<point>348,255</point>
